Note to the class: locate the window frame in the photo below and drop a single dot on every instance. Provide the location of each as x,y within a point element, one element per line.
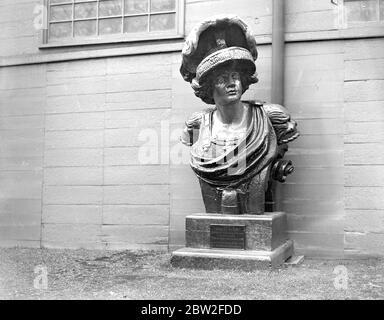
<point>178,33</point>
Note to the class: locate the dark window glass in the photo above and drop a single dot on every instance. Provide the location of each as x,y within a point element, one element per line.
<point>85,28</point>
<point>161,22</point>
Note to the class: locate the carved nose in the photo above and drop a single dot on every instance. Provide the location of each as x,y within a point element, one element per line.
<point>231,82</point>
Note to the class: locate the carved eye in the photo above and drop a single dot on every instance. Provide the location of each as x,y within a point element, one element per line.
<point>235,76</point>
<point>224,78</point>
<point>220,80</point>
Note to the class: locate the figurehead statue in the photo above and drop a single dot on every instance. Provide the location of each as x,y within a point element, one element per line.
<point>237,146</point>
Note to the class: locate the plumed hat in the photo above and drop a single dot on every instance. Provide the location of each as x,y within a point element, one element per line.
<point>214,42</point>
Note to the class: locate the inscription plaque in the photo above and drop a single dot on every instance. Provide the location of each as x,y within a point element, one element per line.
<point>227,236</point>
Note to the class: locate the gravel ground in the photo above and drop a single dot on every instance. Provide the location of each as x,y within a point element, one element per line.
<point>88,274</point>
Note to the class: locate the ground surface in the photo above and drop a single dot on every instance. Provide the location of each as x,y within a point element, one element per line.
<point>84,274</point>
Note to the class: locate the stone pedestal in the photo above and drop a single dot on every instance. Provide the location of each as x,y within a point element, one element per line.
<point>234,241</point>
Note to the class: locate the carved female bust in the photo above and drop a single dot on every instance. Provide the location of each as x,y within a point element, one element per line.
<point>237,146</point>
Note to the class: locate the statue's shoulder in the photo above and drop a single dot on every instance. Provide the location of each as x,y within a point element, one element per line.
<point>190,133</point>
<point>276,112</point>
<point>196,118</point>
<point>273,110</point>
<point>285,127</point>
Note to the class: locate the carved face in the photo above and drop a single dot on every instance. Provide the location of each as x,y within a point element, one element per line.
<point>227,87</point>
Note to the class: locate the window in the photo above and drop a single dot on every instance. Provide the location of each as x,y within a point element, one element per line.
<point>363,12</point>
<point>79,21</point>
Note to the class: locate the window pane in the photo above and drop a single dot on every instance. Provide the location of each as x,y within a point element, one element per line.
<point>110,8</point>
<point>85,10</point>
<point>85,28</point>
<point>136,24</point>
<point>361,10</point>
<point>381,10</point>
<point>60,30</point>
<point>162,22</point>
<point>162,5</point>
<point>103,17</point>
<point>61,12</point>
<point>136,6</point>
<point>109,26</point>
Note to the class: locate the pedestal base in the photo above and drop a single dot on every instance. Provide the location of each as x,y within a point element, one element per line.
<point>234,241</point>
<point>231,259</point>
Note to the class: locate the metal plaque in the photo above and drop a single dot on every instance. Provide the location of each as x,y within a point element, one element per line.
<point>227,236</point>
